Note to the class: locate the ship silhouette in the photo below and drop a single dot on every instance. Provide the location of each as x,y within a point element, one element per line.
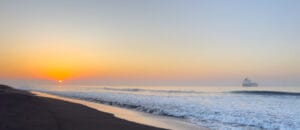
<point>248,83</point>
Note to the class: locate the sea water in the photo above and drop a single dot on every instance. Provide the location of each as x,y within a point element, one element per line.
<point>214,107</point>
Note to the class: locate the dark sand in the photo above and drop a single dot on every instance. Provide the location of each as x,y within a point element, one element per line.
<point>21,110</point>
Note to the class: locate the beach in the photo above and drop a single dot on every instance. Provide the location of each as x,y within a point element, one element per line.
<point>131,115</point>
<point>218,107</point>
<point>23,110</point>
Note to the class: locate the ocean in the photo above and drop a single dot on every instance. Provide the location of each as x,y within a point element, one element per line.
<point>214,107</point>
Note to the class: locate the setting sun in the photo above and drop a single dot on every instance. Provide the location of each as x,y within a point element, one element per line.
<point>220,64</point>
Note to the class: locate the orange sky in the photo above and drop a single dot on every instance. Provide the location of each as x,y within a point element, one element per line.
<point>163,40</point>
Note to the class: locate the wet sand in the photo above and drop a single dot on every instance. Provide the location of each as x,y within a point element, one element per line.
<point>22,110</point>
<point>132,115</point>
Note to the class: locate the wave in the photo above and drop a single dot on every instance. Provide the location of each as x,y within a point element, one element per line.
<point>270,93</point>
<point>79,95</point>
<point>228,111</point>
<point>150,90</point>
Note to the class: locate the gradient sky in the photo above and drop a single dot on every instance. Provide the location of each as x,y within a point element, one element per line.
<point>151,41</point>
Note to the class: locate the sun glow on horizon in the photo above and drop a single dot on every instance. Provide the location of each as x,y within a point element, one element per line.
<point>104,41</point>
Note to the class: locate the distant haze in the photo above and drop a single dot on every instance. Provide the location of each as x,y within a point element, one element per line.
<point>175,42</point>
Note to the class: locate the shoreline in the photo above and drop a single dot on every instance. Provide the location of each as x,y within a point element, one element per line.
<point>21,109</point>
<point>131,115</point>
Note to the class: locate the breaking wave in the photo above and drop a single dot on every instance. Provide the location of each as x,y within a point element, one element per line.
<point>149,90</point>
<point>227,111</point>
<point>268,93</point>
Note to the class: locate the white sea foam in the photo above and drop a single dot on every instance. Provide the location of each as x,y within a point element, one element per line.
<point>215,111</point>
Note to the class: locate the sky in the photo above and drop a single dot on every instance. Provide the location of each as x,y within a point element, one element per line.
<point>174,42</point>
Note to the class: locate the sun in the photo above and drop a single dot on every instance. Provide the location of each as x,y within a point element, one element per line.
<point>59,81</point>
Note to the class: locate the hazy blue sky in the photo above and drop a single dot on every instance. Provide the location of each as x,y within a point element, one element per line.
<point>151,41</point>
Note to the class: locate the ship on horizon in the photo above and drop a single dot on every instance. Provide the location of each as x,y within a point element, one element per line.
<point>248,83</point>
